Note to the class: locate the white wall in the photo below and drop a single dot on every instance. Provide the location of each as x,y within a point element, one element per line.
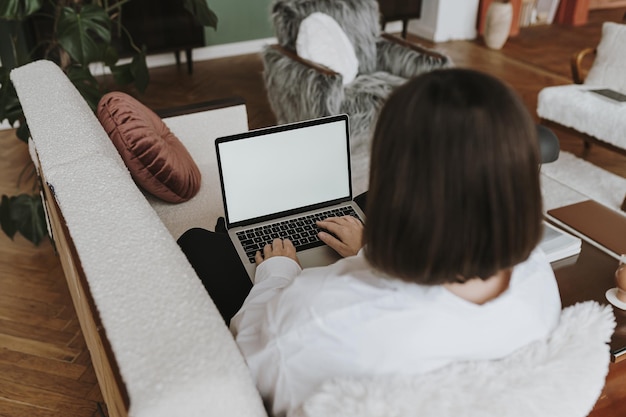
<point>446,20</point>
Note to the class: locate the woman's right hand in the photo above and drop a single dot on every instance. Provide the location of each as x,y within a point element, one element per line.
<point>348,231</point>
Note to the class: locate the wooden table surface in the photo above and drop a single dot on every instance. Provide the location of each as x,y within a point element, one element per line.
<point>588,277</point>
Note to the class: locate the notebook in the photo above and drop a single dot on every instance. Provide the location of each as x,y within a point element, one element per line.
<point>277,181</point>
<point>614,96</point>
<point>599,225</point>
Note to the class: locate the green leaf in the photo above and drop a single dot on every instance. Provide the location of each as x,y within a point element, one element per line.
<point>28,215</point>
<point>10,107</point>
<point>82,33</point>
<point>111,56</point>
<point>23,132</point>
<point>8,225</point>
<point>18,9</point>
<point>122,74</point>
<point>86,84</point>
<point>135,72</point>
<point>25,214</point>
<point>201,12</point>
<point>139,70</point>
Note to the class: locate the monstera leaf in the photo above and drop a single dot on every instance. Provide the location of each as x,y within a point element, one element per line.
<point>82,33</point>
<point>10,107</point>
<point>18,9</point>
<point>25,214</point>
<point>135,72</point>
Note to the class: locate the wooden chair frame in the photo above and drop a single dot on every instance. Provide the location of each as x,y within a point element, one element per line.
<point>329,72</point>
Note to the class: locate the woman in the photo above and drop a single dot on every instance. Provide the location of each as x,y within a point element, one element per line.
<point>445,269</point>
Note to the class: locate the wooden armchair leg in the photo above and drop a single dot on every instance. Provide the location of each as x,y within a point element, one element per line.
<point>623,207</point>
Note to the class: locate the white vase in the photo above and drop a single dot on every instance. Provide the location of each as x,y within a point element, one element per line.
<point>498,24</point>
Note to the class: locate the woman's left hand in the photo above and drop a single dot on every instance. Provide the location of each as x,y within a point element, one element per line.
<point>279,247</point>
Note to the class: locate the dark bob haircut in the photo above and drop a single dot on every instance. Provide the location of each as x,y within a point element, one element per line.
<point>454,183</point>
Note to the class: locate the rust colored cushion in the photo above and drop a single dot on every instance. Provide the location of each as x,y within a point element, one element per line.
<point>155,157</point>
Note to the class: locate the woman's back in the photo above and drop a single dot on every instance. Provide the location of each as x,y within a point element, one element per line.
<point>349,320</point>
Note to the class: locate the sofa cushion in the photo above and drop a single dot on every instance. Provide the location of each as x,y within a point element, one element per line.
<point>321,40</point>
<point>156,159</point>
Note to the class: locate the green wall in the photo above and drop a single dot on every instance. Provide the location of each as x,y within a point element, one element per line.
<point>239,20</point>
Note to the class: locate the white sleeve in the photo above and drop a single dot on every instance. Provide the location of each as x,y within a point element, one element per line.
<point>270,277</point>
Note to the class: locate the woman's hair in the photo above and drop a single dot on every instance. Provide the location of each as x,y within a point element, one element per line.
<point>454,183</point>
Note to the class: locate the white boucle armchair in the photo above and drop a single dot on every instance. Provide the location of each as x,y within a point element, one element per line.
<point>158,344</point>
<point>594,118</point>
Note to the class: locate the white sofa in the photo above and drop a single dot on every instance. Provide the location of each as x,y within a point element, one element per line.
<point>157,342</point>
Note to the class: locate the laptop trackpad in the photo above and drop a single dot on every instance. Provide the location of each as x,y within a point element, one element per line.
<point>320,256</point>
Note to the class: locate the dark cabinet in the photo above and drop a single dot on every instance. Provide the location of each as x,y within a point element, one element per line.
<point>162,26</point>
<point>159,25</point>
<point>403,10</point>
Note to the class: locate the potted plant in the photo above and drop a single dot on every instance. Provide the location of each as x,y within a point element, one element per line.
<point>82,33</point>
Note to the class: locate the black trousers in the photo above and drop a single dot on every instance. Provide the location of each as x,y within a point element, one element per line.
<point>213,257</point>
<point>215,260</point>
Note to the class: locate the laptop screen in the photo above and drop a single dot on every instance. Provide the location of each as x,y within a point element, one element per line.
<point>283,168</point>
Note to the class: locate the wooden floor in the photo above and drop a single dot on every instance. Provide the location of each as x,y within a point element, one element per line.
<point>44,365</point>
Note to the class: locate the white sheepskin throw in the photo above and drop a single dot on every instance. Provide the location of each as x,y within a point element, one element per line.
<point>573,106</point>
<point>561,377</point>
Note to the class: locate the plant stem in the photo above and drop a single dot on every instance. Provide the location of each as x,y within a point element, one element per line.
<point>130,39</point>
<point>14,41</point>
<point>117,5</point>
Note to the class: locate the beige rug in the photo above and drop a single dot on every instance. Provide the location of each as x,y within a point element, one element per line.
<point>571,179</point>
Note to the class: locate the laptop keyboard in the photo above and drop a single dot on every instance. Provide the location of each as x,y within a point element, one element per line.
<point>301,231</point>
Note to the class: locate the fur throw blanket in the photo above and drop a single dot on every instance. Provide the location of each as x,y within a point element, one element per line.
<point>561,377</point>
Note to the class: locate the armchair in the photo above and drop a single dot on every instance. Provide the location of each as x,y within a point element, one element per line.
<point>300,89</point>
<point>572,108</point>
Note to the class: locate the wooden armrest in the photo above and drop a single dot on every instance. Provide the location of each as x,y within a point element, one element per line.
<point>412,46</point>
<point>576,64</point>
<point>104,363</point>
<point>200,107</point>
<point>313,65</point>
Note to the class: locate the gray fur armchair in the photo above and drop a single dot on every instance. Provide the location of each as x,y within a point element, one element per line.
<point>299,89</point>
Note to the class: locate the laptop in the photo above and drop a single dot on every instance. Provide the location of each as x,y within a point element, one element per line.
<point>277,181</point>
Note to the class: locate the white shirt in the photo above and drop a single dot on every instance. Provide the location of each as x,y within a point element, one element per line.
<point>299,328</point>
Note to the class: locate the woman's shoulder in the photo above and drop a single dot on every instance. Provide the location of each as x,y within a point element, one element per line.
<point>536,265</point>
<point>354,280</point>
<point>534,281</point>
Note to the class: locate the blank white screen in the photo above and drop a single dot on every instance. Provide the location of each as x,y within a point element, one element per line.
<point>285,170</point>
